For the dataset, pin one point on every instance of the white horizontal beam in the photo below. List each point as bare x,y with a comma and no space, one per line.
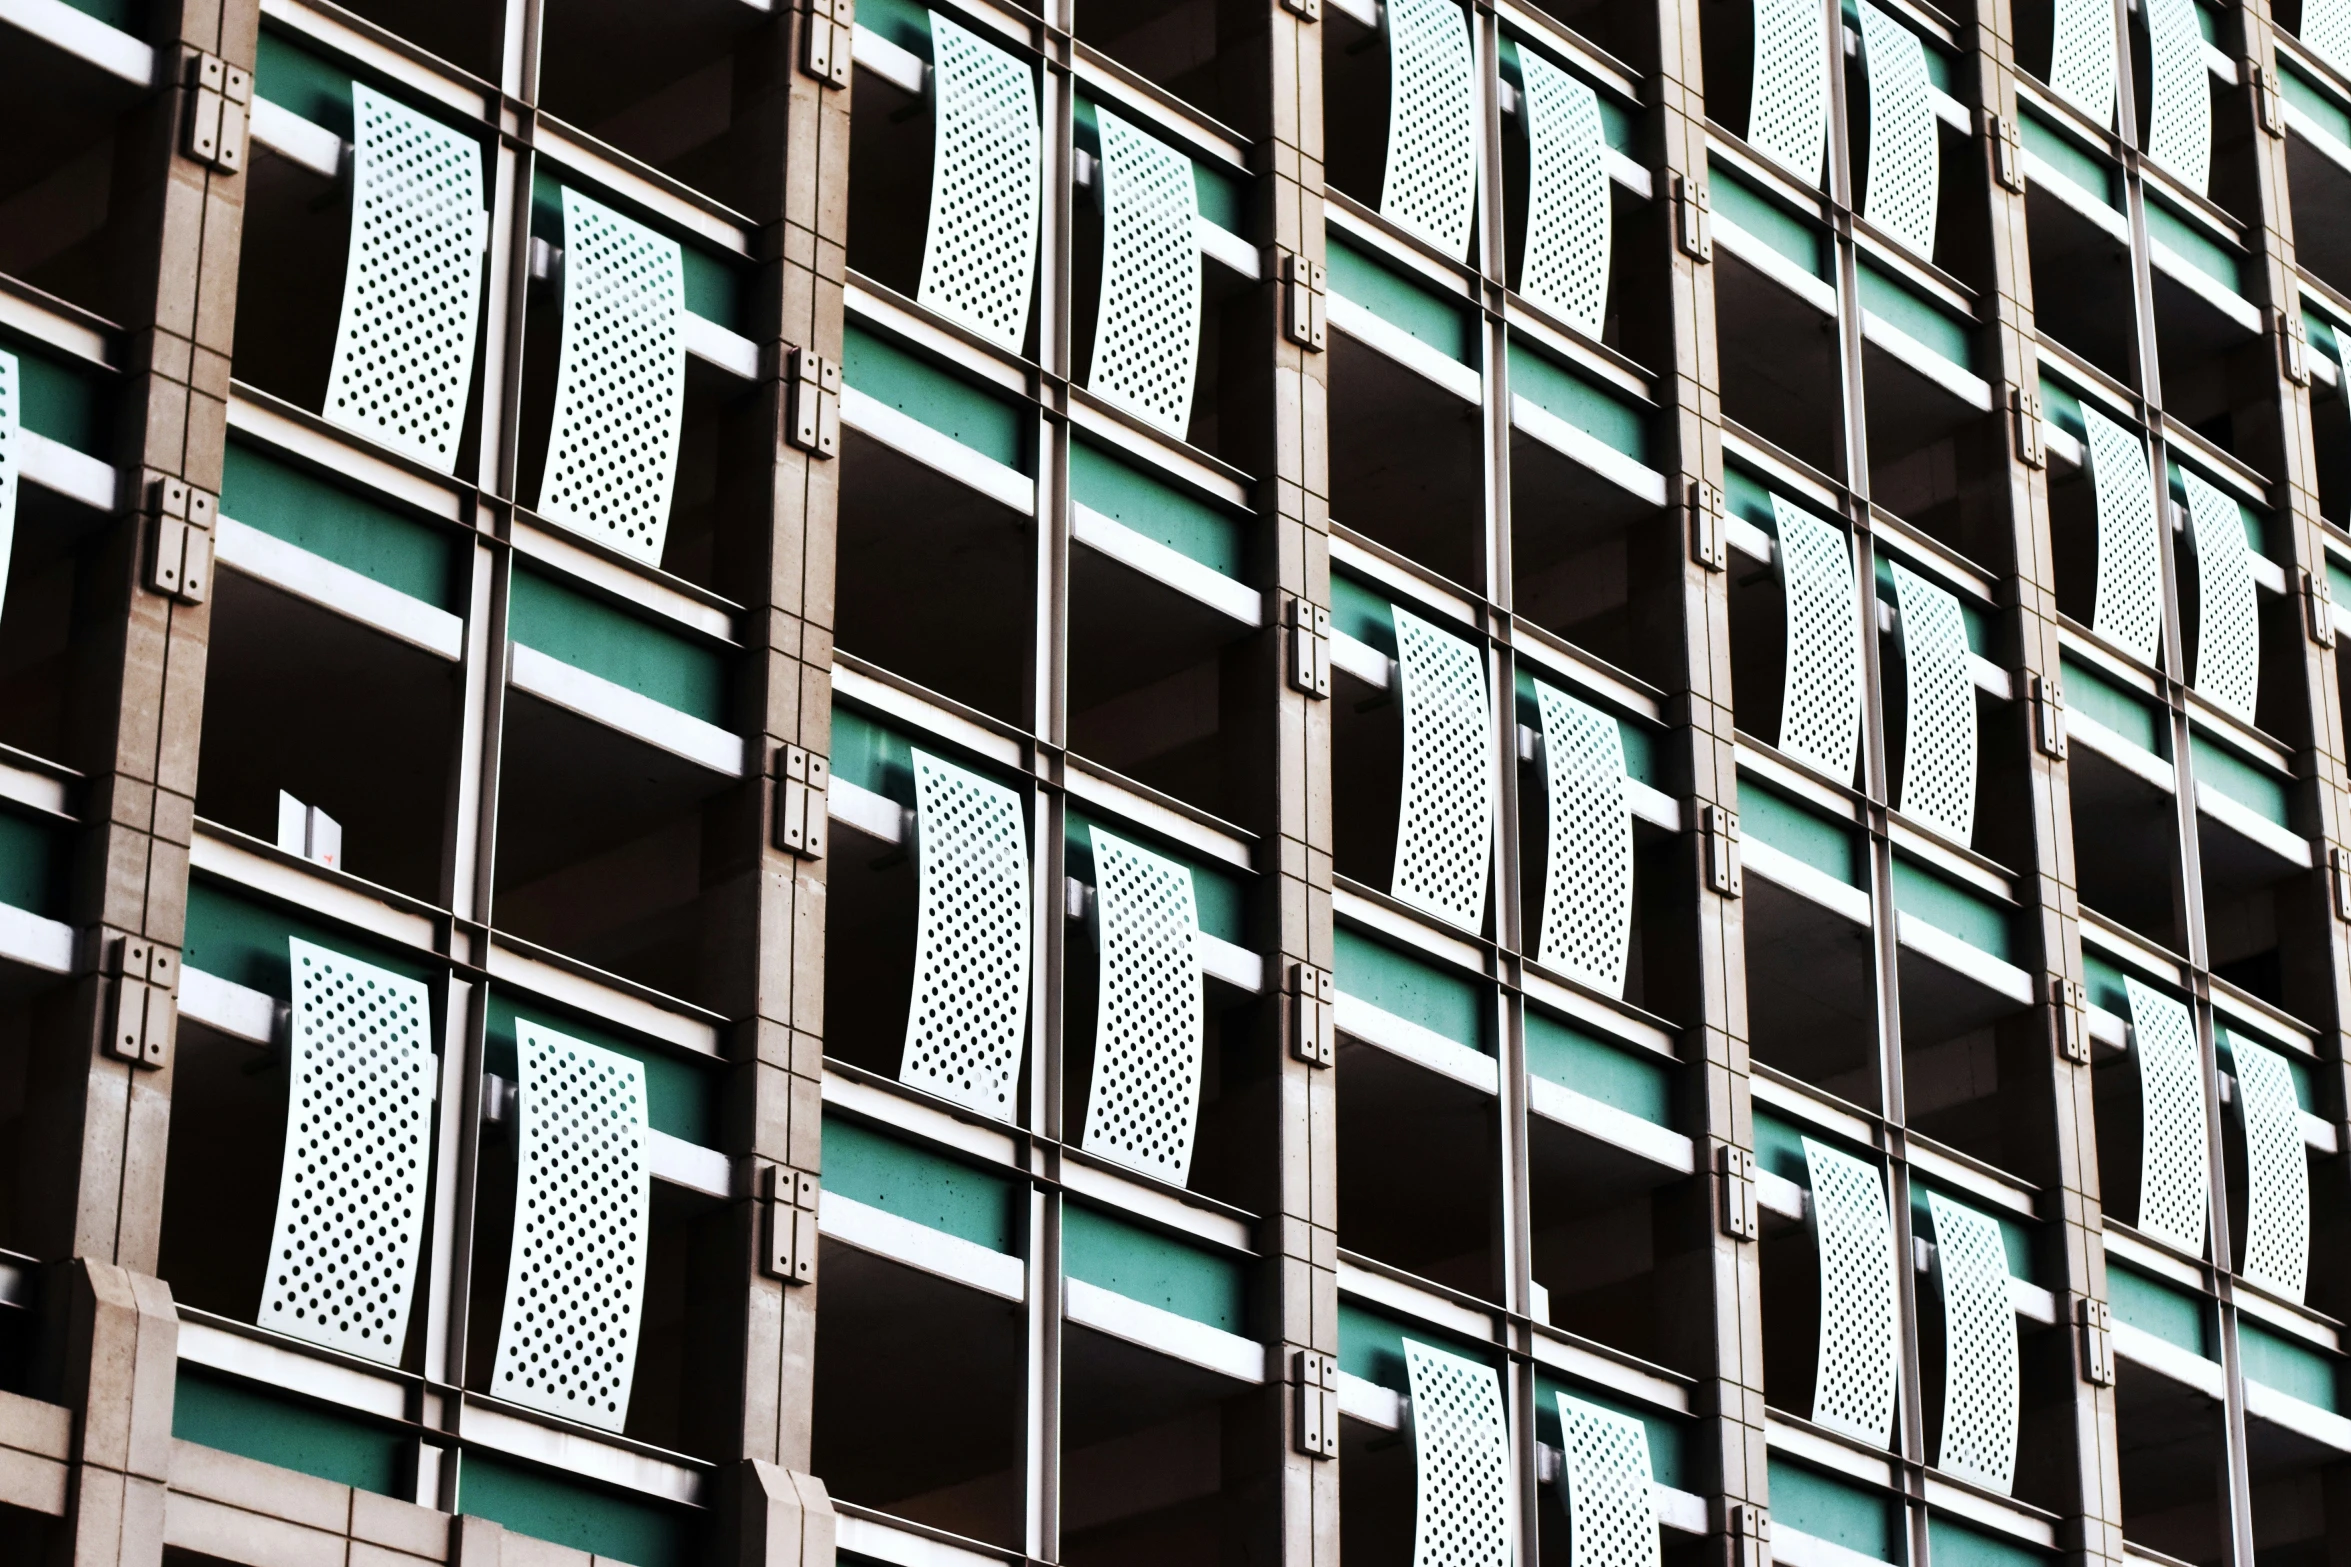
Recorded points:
83,36
630,712
918,1246
77,476
1421,1045
317,580
233,1009
1162,1331
904,433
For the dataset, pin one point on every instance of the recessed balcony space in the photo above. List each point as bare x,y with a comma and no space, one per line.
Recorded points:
1812,983
2254,867
2170,1410
696,90
1971,1024
470,37
1830,1345
2126,840
1776,309
1177,46
2211,337
2080,240
2318,172
2297,1441
1938,447
2330,414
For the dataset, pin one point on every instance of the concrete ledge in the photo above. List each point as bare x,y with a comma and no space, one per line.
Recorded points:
34,1440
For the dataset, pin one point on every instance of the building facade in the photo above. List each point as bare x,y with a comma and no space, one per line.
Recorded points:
1185,782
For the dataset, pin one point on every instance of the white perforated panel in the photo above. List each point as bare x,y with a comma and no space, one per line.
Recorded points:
1939,738
351,1182
1820,703
2129,609
1147,333
1445,827
1146,1096
2174,1160
2326,31
979,254
1566,265
2179,88
1979,1347
2081,56
1788,115
971,940
2276,1248
1431,183
1859,1365
1461,1451
2228,617
1904,142
1588,872
412,285
620,381
1605,1479
575,1280
11,462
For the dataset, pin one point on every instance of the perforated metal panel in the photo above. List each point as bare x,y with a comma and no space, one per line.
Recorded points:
1904,143
1820,704
1859,1361
1788,116
1147,337
352,1178
1445,830
979,253
2179,88
1565,269
2326,31
1588,872
1605,1480
412,284
2081,56
11,461
1461,1452
2129,609
1145,1102
620,381
2228,617
2276,1248
575,1280
1979,1347
2174,1160
1939,735
1431,183
971,940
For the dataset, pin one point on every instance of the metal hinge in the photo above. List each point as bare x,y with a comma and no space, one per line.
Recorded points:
1721,828
1314,1409
1735,1168
2318,602
2007,152
2339,869
1747,1528
142,1010
217,94
2048,699
2294,347
2268,101
1313,1014
788,1244
2096,1345
2031,449
179,539
2065,1019
801,777
828,41
1304,10
1310,648
812,402
1692,225
1305,302
1706,541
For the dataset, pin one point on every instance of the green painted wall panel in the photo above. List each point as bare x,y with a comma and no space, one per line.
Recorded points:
1368,618
341,525
988,424
1154,508
2196,247
2118,708
30,860
1775,819
70,404
1747,208
1423,993
2256,788
2069,157
245,941
1156,1269
1950,908
1637,1084
636,1530
2289,1365
1558,390
1838,1511
1429,316
2173,1315
930,1189
293,78
238,1417
1956,1545
1912,314
2316,102
681,1097
589,634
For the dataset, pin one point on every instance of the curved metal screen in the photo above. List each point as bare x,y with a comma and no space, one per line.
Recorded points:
1565,269
1788,113
1905,142
1980,1371
1859,1364
1588,871
1461,1453
1606,1483
2129,608
2081,56
2276,1249
1445,825
1820,700
969,1013
1147,329
2179,90
979,251
1430,187
1939,739
2174,1158
2228,612
1145,1102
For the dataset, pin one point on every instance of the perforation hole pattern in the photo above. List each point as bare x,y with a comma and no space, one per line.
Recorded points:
575,1281
2129,608
620,381
1611,1511
1461,1452
1588,870
1939,742
1145,1102
11,459
1568,236
1788,119
1820,703
979,255
2174,1160
351,1184
1853,1391
2179,91
2081,57
412,288
1979,1347
2276,1247
2326,31
1445,830
1905,143
1431,183
1147,342
971,940
2228,616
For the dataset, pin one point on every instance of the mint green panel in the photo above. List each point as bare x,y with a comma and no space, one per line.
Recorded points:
1558,390
2338,581
1668,1464
2289,1365
1371,1345
1956,1545
1437,321
1779,1148
1635,1083
590,634
29,860
340,525
236,939
127,16
1219,195
1154,508
292,78
871,756
1774,819
902,22
2315,102
923,1187
1368,618
70,404
2118,708
1838,1511
1909,313
1950,908
2256,788
2068,157
2172,1315
1155,1269
1745,207
1216,894
2104,984
681,1098
237,1417
2062,408
641,1532
954,407
2197,248
1411,989
1748,497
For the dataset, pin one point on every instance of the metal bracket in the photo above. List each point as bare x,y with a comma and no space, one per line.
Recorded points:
2031,449
2339,869
1721,829
2007,152
2294,347
2269,105
788,1244
179,538
1707,546
1747,1527
1314,1409
2065,1019
1313,1014
801,776
1305,290
214,133
2318,600
812,402
2096,1345
828,49
2048,699
1693,228
1735,1168
1310,649
142,1013
1304,10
